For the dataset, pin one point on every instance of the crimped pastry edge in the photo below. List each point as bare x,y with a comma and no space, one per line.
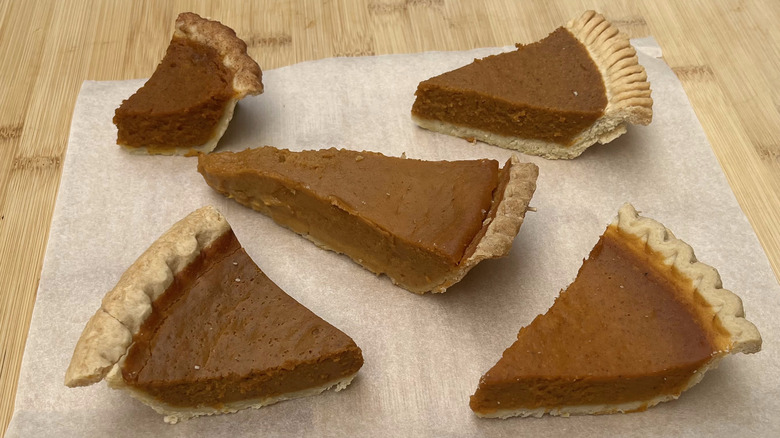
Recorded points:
625,81
628,92
108,334
745,337
174,414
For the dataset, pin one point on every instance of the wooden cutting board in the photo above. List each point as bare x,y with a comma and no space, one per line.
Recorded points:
726,53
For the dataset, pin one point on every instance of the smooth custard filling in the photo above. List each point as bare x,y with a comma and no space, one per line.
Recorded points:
223,332
181,104
550,90
412,220
622,332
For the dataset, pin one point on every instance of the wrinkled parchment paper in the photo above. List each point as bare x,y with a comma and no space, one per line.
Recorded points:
423,354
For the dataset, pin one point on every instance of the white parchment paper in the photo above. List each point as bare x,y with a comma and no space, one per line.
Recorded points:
423,354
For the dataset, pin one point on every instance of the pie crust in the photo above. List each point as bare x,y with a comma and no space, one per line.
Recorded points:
105,342
247,76
734,334
625,80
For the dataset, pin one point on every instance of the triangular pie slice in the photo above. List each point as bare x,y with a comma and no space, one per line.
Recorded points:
642,322
188,102
424,224
194,328
554,98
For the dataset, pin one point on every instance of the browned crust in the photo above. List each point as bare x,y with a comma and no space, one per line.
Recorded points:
628,92
109,332
247,77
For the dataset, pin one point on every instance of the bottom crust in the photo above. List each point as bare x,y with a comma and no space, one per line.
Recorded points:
565,411
173,414
205,148
603,131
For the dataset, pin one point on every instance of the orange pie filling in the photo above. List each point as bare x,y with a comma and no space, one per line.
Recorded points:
181,104
550,90
412,220
622,333
187,353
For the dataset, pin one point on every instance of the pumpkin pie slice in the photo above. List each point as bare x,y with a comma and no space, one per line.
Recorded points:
424,224
188,102
642,322
554,98
194,328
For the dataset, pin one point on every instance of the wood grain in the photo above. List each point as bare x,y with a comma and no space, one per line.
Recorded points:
726,53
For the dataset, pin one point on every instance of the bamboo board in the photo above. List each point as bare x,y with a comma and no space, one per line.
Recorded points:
726,53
